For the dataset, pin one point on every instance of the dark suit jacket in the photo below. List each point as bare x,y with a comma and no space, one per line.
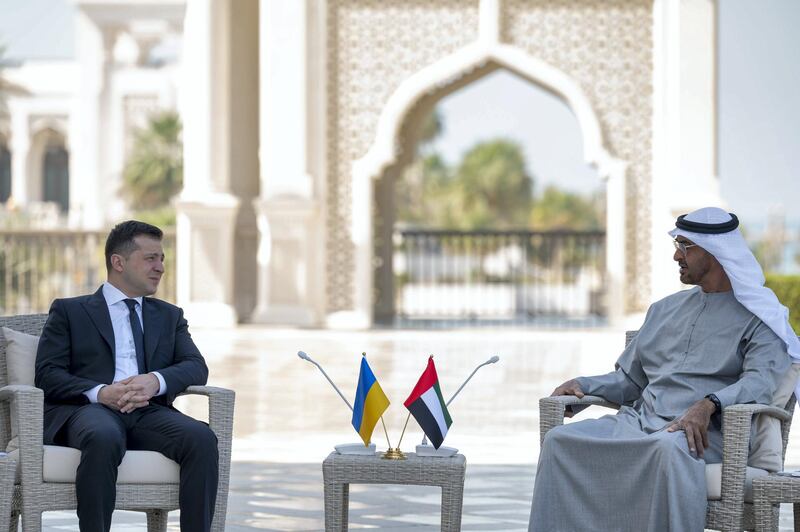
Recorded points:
77,352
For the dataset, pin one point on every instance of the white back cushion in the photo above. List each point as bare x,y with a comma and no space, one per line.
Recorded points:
21,361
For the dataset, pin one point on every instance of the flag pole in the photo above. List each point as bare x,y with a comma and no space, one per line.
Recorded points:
404,429
387,434
391,454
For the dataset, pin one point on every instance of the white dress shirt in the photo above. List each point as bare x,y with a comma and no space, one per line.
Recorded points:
125,364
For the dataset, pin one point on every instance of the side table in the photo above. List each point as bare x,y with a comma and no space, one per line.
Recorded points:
339,471
8,472
768,492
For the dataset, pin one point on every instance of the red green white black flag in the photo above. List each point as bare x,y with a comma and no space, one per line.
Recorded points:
428,407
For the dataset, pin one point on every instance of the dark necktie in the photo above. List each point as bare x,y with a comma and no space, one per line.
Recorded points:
138,334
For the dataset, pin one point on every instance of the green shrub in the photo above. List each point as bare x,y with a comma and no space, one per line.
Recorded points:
160,216
153,174
787,288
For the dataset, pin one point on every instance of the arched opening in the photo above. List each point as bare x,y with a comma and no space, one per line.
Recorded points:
5,170
56,176
491,214
49,169
390,152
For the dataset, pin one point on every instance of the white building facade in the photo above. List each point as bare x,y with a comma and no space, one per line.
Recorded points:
293,110
70,123
339,83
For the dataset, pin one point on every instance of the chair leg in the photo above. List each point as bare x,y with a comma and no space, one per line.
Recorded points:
218,523
31,520
13,523
796,507
220,509
157,521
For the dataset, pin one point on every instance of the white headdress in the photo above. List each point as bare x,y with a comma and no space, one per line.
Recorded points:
717,232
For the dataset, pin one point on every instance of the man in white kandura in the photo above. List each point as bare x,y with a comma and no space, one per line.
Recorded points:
726,341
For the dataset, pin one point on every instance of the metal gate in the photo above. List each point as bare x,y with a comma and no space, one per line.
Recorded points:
549,278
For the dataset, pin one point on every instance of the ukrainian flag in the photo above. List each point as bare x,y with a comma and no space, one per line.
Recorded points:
370,402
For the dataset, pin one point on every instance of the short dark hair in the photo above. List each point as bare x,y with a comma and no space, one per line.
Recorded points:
120,239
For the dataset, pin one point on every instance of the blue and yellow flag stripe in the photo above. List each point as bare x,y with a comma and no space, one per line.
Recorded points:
370,402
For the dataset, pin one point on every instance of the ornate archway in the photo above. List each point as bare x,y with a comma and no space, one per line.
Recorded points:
382,58
438,79
332,105
48,163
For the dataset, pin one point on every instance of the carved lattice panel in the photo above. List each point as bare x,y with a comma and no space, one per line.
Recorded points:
606,46
373,45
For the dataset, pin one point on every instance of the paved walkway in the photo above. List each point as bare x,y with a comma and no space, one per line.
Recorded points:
288,419
289,497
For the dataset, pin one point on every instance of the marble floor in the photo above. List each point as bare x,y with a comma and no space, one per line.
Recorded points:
288,419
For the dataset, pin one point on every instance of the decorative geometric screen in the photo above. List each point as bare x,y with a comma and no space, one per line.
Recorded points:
605,46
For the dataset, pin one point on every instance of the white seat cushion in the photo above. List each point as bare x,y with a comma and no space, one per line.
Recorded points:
714,481
137,467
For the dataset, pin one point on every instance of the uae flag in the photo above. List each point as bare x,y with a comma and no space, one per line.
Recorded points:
427,406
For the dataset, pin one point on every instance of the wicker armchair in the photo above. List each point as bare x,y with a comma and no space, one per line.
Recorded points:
731,511
33,495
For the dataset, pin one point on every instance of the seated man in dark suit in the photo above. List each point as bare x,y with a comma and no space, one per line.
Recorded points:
110,365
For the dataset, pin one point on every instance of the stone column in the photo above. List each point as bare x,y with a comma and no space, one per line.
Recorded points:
88,158
684,124
19,145
206,208
292,125
244,135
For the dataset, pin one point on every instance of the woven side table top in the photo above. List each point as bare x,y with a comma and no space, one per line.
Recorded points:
415,470
771,490
339,471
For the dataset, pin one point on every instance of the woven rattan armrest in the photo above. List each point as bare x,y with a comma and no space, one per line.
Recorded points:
20,391
210,391
736,422
220,407
551,409
749,409
28,403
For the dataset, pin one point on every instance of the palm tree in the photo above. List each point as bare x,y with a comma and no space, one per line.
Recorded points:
154,171
3,104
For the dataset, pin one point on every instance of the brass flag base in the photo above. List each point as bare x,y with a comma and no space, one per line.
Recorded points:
394,454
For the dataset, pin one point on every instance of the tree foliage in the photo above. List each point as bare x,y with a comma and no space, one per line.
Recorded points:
420,193
769,251
154,171
561,209
432,127
787,288
493,188
3,87
489,188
